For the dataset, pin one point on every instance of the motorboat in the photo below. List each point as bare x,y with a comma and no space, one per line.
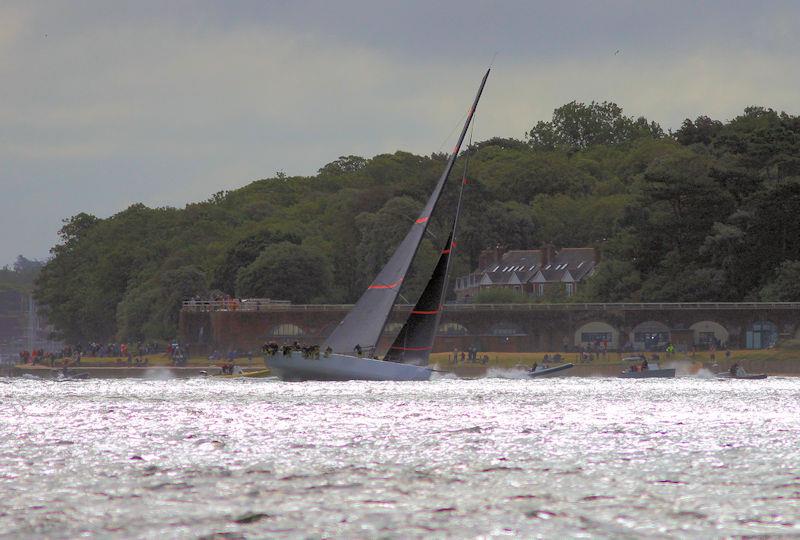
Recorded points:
548,371
738,372
646,369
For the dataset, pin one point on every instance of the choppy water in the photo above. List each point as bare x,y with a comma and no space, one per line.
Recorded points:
449,458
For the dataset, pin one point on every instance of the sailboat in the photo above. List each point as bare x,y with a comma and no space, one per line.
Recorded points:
349,351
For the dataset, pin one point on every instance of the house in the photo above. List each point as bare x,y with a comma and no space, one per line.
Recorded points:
532,272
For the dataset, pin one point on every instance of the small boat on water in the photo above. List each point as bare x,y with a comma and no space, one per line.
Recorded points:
641,368
736,371
543,371
741,374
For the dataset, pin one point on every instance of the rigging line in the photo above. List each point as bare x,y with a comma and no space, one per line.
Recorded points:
455,126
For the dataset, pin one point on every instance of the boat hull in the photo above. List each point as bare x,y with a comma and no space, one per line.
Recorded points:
649,374
746,377
549,372
340,367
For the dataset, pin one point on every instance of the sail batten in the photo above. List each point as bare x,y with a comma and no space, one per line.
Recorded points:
364,323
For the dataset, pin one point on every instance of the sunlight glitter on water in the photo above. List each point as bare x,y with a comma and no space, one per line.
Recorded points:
491,457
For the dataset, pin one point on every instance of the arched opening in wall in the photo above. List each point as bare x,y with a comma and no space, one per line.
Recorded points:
708,333
761,335
287,330
597,334
650,336
392,329
505,329
452,329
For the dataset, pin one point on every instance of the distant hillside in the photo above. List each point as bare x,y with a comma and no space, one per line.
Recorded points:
706,213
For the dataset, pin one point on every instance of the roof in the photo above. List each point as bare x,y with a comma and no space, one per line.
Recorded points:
523,265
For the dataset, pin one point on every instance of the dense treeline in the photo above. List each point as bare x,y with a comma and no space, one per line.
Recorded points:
709,212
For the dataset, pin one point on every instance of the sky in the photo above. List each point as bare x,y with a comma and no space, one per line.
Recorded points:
104,104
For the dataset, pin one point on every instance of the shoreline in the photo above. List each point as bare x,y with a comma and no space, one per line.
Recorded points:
686,368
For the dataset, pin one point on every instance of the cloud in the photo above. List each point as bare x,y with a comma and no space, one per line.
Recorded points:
169,103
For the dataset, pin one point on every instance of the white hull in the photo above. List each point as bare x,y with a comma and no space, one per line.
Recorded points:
549,372
340,367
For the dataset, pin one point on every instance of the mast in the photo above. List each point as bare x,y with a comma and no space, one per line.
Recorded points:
363,325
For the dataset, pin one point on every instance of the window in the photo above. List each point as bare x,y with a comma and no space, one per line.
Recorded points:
570,289
706,338
540,289
653,338
594,337
452,329
287,330
506,329
761,335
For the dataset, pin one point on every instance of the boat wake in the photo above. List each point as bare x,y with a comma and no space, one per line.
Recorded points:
686,368
444,376
506,373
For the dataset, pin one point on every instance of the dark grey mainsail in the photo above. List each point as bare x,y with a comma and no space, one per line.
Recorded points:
414,342
362,327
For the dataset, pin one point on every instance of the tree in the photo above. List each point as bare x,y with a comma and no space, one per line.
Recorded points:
613,281
785,286
285,271
702,131
577,126
243,253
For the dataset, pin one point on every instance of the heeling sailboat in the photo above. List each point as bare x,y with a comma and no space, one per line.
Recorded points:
360,330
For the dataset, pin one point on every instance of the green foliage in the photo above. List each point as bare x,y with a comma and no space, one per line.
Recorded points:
21,276
577,126
707,213
243,253
285,271
613,281
785,286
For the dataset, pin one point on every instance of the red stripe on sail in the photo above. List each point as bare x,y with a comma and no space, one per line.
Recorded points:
422,219
434,312
445,251
387,286
410,348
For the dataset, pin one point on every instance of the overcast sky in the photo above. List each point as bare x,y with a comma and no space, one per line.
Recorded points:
104,104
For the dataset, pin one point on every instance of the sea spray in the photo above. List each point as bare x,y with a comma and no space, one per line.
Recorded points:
507,373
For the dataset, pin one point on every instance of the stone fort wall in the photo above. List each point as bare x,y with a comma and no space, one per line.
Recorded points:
508,327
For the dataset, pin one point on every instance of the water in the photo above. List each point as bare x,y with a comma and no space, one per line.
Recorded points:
569,457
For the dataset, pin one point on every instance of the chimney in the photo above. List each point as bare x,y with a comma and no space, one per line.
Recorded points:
490,257
548,254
